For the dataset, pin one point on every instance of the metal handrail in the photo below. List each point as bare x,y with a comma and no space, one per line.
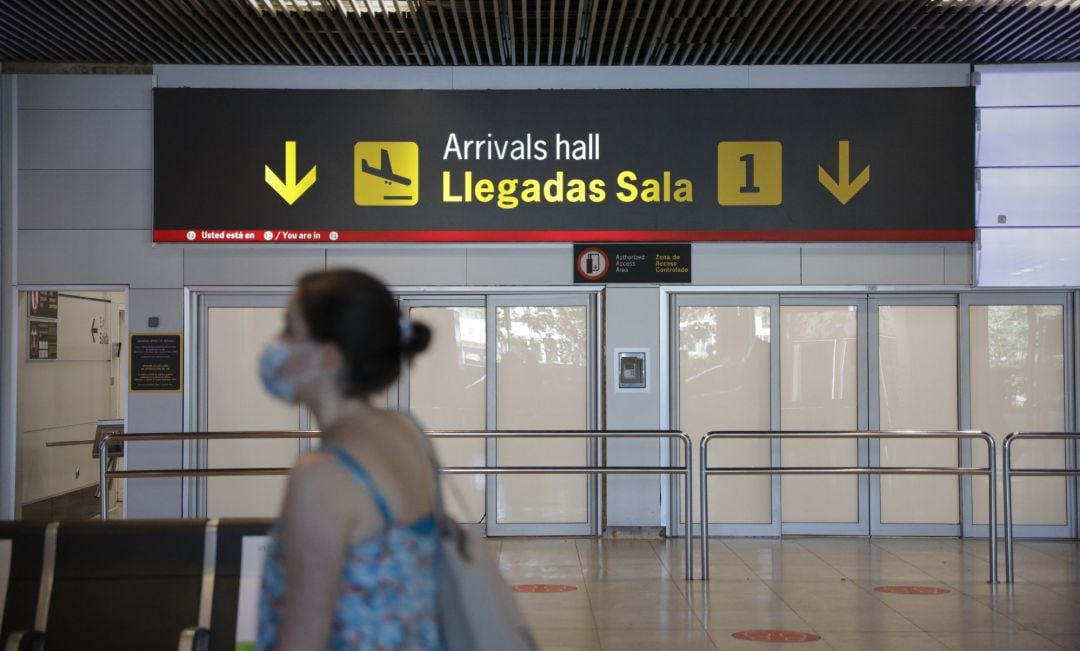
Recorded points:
705,471
686,469
1009,472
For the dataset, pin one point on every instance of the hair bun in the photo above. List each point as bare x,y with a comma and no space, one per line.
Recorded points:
415,337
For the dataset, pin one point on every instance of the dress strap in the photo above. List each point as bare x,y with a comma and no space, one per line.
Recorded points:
362,476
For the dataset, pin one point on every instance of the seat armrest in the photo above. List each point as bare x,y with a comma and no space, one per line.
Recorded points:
194,638
28,640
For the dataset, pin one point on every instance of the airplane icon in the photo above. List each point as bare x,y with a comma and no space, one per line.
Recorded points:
379,184
385,171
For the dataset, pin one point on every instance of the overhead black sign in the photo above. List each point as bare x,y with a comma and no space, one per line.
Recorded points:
281,166
632,263
157,362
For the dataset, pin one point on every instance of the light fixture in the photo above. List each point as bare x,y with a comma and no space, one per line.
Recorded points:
1028,4
344,6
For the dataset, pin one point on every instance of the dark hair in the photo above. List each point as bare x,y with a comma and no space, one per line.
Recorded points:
358,313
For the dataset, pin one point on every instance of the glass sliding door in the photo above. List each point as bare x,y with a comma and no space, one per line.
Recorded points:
446,389
1018,377
726,354
823,369
542,375
232,332
914,385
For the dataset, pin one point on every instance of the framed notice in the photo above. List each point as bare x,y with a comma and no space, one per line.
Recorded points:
44,305
156,362
661,263
42,340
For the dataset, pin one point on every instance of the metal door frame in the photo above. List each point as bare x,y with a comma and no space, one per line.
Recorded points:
1028,297
196,453
671,495
876,301
860,301
593,380
399,392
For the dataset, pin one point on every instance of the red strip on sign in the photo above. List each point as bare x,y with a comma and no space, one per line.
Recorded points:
220,236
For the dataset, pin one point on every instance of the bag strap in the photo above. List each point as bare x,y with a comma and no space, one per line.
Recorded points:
437,506
364,478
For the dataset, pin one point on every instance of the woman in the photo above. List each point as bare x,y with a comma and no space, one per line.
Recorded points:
351,563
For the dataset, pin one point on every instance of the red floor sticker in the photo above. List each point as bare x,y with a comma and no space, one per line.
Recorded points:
542,588
775,636
910,589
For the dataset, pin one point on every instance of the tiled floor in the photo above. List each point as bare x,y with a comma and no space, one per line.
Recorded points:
630,595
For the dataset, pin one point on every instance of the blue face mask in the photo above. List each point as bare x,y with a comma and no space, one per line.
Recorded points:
270,362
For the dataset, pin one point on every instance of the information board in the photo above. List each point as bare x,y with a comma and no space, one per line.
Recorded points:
156,362
44,304
330,166
42,340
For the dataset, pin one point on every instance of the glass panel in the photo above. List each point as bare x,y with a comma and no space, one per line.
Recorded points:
1018,383
542,384
724,362
1028,257
236,401
448,391
917,390
819,391
1029,137
1045,85
1028,196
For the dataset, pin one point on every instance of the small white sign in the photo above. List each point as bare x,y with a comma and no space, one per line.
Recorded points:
252,560
5,573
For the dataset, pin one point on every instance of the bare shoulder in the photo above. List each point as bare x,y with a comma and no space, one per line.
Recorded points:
315,473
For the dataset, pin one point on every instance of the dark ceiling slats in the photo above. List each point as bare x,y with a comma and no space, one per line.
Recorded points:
1036,25
67,31
880,30
708,38
539,32
1063,40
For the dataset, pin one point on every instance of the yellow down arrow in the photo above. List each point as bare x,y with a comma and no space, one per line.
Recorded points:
289,189
843,188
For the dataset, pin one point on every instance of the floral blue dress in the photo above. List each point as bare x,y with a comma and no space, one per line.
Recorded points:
388,591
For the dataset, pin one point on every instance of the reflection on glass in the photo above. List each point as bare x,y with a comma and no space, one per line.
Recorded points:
917,391
542,384
819,391
724,359
237,401
448,391
1018,383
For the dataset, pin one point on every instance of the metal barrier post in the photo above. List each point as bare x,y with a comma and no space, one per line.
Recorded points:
688,507
103,483
992,453
990,471
1010,473
703,501
686,470
1006,459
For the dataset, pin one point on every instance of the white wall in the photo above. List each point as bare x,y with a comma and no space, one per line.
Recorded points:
61,400
82,213
1029,169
